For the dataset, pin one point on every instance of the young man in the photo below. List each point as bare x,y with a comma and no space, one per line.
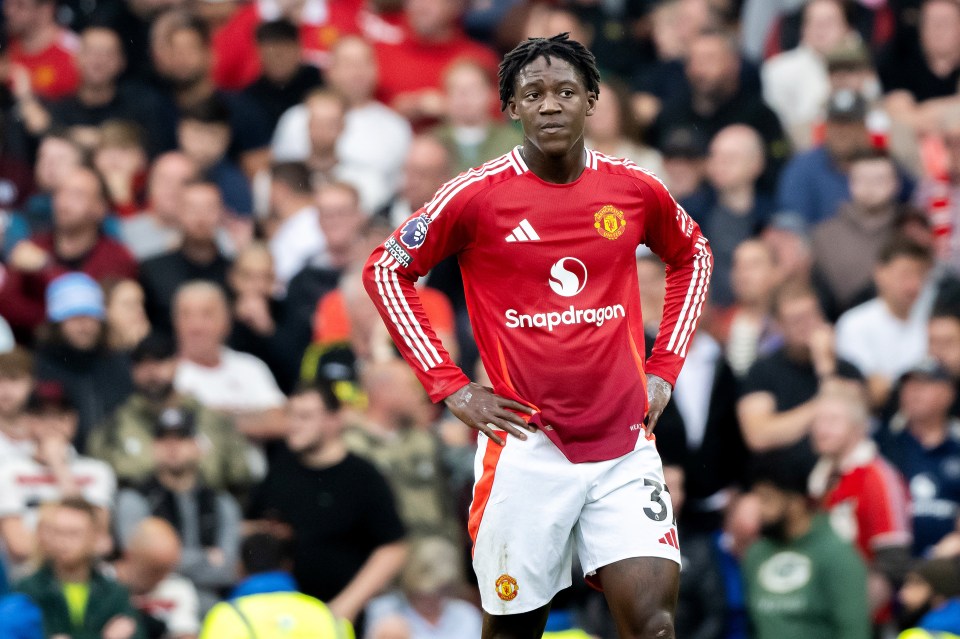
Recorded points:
546,237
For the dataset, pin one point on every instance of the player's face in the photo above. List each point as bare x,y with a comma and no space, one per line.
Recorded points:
552,103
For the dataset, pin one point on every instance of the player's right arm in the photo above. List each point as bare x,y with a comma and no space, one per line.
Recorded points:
444,226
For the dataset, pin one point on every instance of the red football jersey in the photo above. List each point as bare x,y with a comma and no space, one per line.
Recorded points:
869,503
53,71
551,286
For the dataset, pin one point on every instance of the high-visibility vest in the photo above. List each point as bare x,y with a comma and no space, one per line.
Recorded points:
274,615
568,634
918,633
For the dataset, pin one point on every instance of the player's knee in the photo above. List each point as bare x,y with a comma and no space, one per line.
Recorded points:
659,626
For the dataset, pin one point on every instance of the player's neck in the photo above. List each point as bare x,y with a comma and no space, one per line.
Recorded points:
556,170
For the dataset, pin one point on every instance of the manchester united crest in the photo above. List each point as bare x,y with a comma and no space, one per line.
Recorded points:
609,222
506,587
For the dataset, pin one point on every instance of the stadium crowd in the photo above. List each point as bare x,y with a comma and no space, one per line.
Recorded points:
205,430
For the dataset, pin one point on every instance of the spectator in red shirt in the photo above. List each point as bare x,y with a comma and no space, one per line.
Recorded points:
321,24
41,47
76,243
864,494
411,72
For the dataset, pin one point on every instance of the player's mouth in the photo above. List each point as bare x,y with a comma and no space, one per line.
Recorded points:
551,127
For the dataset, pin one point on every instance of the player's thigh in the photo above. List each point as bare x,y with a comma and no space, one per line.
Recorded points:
628,513
526,503
526,625
642,595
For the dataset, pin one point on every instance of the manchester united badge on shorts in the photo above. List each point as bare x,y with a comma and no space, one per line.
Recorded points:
609,222
506,587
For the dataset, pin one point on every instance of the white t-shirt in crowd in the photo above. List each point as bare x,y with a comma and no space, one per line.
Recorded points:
374,136
15,448
458,619
296,241
25,485
876,342
240,383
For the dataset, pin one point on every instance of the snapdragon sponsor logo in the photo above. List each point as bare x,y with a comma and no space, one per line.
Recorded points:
570,317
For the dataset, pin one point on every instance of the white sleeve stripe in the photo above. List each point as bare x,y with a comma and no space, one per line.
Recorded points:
686,301
698,308
468,175
438,206
378,272
395,293
415,323
689,320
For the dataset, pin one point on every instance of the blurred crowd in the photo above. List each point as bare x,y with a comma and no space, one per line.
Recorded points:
205,430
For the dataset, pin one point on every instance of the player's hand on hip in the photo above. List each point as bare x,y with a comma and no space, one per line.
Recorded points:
480,408
659,391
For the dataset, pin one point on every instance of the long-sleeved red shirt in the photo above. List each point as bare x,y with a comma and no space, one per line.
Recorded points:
551,286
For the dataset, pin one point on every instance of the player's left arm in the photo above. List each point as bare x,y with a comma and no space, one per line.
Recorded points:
673,235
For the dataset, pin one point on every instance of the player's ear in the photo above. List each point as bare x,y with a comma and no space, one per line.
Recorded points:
591,102
512,110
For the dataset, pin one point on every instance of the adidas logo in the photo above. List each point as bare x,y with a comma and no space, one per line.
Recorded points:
523,233
670,539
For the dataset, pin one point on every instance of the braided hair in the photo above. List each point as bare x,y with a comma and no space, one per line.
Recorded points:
559,46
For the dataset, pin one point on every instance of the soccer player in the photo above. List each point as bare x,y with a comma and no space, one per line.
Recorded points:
545,236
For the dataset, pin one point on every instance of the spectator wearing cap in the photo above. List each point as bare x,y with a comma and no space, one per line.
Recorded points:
74,352
863,493
684,167
814,183
167,602
930,599
76,243
887,335
53,472
76,599
207,520
125,440
923,442
920,76
16,384
795,82
426,598
717,98
802,579
267,597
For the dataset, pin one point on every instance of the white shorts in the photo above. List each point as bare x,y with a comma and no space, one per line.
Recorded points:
531,504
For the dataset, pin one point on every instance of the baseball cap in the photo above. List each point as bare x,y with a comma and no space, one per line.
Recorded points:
155,347
929,370
74,295
684,142
175,422
846,106
49,396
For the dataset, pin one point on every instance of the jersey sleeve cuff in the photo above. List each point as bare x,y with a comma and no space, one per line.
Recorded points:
444,389
663,370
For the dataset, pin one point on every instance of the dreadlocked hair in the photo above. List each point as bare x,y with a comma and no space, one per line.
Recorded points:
559,46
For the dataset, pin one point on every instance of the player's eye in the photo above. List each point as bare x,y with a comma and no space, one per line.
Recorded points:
532,95
567,93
